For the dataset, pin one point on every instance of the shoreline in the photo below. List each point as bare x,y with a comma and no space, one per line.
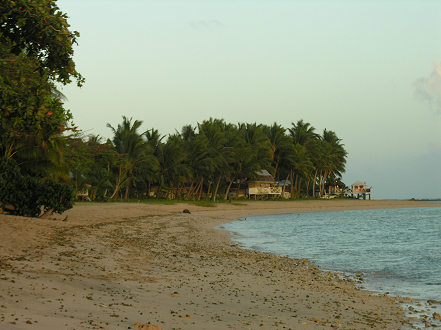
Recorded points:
115,265
419,310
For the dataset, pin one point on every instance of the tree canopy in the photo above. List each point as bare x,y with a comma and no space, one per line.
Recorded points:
38,31
36,50
206,161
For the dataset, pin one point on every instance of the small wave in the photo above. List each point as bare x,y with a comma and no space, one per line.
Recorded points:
433,283
237,234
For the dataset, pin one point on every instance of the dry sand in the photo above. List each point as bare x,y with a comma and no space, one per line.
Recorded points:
114,265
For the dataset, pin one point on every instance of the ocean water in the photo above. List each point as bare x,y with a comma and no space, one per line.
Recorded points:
398,251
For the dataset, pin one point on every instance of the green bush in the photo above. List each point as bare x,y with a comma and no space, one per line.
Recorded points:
9,175
27,195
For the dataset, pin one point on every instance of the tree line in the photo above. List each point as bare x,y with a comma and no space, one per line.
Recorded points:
203,161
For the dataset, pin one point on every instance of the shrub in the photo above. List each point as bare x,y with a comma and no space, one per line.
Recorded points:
27,196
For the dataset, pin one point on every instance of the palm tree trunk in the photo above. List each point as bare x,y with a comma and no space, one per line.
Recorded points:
275,172
191,189
209,188
127,192
159,189
237,191
178,190
195,189
325,177
313,183
213,198
117,185
115,192
292,184
228,189
322,175
201,188
320,183
284,186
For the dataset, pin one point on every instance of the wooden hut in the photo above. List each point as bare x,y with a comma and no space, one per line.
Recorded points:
264,185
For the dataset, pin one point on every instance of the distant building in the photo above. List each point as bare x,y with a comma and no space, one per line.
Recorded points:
264,185
334,191
359,188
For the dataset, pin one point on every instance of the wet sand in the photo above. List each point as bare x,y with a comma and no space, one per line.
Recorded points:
115,265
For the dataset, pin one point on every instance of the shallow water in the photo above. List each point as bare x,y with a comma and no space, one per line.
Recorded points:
397,250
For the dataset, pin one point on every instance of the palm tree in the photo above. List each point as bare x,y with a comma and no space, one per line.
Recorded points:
172,169
305,141
334,158
99,181
187,132
281,146
153,137
41,157
80,180
303,168
258,142
135,155
218,134
197,159
94,139
303,133
245,165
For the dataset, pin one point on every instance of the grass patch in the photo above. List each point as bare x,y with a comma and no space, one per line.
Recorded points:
154,201
202,203
238,202
131,201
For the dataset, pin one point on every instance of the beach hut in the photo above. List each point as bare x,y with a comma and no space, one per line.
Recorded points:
84,194
359,188
265,185
336,190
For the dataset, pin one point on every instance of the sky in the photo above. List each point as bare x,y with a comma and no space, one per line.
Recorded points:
368,70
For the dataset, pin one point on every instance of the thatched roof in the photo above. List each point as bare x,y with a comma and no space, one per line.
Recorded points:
264,175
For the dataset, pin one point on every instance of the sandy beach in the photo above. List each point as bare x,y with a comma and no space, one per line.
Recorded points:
151,266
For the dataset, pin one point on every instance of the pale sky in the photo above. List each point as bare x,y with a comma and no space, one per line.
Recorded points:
368,70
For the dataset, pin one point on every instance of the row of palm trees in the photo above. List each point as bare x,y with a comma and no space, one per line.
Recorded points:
205,161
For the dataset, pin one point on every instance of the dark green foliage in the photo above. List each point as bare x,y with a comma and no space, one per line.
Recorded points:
203,162
9,175
36,57
27,194
38,30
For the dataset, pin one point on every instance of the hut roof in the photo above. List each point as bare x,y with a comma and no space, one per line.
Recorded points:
264,175
285,182
358,183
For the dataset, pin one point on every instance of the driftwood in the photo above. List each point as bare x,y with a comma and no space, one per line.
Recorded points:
46,214
7,208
